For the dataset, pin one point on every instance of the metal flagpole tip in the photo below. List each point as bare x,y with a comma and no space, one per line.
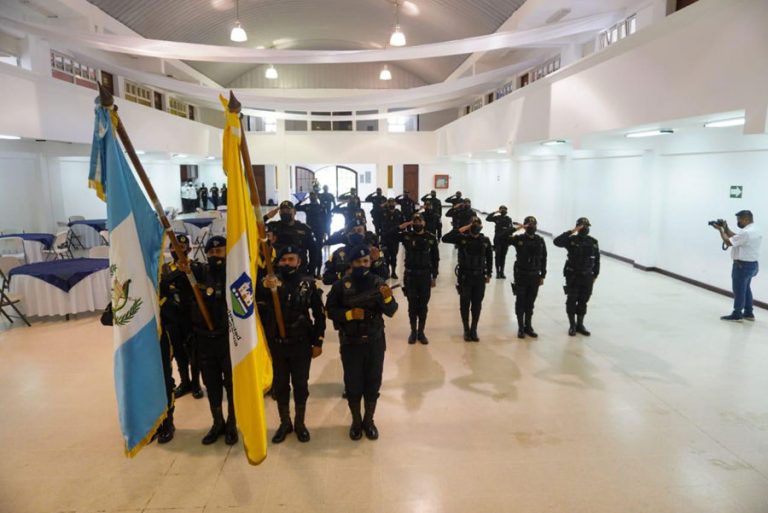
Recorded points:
105,97
234,104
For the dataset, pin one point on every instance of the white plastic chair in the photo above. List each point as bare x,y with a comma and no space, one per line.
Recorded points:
99,252
6,264
13,247
60,249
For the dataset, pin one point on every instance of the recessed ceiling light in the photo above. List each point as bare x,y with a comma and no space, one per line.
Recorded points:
723,123
555,142
650,133
10,137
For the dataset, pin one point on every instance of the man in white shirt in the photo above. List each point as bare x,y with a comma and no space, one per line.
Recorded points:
745,252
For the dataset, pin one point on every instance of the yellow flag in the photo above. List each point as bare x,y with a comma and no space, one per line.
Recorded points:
251,363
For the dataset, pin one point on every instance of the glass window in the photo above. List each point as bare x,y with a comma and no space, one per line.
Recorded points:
342,125
321,125
367,125
631,24
407,123
296,125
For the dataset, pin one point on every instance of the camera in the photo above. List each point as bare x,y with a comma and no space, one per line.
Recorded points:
719,223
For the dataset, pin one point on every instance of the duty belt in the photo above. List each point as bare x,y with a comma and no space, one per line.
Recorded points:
417,272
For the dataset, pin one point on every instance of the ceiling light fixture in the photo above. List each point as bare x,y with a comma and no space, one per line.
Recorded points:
397,38
650,133
140,152
270,73
385,74
555,142
10,137
238,34
724,123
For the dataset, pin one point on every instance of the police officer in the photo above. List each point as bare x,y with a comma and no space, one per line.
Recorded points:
437,210
407,205
455,199
202,193
377,201
461,214
328,202
224,194
292,355
422,259
502,224
214,196
290,232
473,272
529,272
357,304
431,219
390,234
213,345
338,264
581,270
351,210
315,215
176,298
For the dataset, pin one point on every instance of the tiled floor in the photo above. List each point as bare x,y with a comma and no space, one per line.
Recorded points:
662,410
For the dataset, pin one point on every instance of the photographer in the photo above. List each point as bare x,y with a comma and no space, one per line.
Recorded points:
745,253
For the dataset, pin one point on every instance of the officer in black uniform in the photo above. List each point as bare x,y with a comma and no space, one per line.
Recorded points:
202,193
502,224
315,215
377,201
407,205
213,346
176,300
390,234
292,355
224,194
473,272
328,202
348,195
214,196
422,260
461,214
357,304
529,271
432,221
337,266
351,210
290,232
455,199
581,270
437,210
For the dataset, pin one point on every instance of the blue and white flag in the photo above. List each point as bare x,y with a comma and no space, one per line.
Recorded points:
136,238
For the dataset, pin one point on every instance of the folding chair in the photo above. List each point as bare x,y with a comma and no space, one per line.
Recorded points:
99,252
104,237
198,245
178,226
9,301
73,238
61,247
13,247
6,264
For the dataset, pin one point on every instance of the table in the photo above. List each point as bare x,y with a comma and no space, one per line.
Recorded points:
62,287
34,244
87,231
195,224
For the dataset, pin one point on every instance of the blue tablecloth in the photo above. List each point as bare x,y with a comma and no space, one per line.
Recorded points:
46,239
96,224
63,274
200,222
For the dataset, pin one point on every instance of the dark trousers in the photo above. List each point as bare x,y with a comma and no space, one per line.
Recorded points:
165,354
290,366
500,249
418,290
216,367
471,293
363,365
376,222
391,248
184,352
741,277
215,201
526,290
328,220
578,289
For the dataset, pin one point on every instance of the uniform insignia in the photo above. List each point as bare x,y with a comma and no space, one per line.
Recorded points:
209,291
347,285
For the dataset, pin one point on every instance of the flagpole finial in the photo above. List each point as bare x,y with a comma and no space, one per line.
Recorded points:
234,104
105,97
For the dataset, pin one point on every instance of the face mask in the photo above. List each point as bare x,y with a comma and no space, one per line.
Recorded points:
503,212
286,270
418,227
391,207
530,230
287,218
475,229
740,225
356,238
359,272
585,231
217,263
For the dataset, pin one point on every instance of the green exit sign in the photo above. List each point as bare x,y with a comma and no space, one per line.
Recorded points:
737,191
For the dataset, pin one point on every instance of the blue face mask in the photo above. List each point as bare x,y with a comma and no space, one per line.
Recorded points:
359,272
356,239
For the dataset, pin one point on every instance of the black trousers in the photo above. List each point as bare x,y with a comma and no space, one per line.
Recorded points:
216,367
578,289
184,352
526,290
418,290
500,249
328,220
376,222
290,365
391,248
471,294
165,354
363,365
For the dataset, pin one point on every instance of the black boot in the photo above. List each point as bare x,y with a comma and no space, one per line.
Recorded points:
285,427
528,327
230,430
473,329
185,386
520,326
371,432
467,331
166,429
218,427
302,433
572,322
393,274
197,391
422,321
414,335
356,429
580,326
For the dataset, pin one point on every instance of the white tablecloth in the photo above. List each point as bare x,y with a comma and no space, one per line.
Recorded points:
90,294
87,235
34,251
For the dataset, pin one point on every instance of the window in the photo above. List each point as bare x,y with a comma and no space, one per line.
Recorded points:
141,95
178,108
321,125
339,126
296,125
9,59
67,69
367,125
404,123
262,123
624,28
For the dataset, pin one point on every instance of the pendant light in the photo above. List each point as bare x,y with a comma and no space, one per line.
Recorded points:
397,38
385,74
270,73
238,34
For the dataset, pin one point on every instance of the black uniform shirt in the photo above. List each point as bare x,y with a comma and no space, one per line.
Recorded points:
583,253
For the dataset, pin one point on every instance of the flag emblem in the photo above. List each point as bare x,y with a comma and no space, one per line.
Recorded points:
242,296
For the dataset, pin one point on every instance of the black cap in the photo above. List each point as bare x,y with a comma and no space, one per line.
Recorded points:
417,216
583,221
286,204
217,241
288,250
182,238
744,213
503,207
530,219
357,221
359,251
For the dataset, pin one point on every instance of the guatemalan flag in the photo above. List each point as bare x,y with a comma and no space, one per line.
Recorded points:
136,238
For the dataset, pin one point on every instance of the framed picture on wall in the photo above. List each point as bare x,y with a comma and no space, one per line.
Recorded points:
441,181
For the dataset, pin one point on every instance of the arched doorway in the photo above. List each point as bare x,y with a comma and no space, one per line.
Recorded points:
339,179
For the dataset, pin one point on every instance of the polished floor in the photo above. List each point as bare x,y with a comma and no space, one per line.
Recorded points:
662,410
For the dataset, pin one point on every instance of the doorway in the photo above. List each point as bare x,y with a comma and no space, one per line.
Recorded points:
411,180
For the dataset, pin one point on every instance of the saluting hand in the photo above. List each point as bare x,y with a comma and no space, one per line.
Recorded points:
316,351
465,228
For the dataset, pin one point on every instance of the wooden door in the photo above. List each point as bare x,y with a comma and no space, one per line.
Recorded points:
259,174
411,180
